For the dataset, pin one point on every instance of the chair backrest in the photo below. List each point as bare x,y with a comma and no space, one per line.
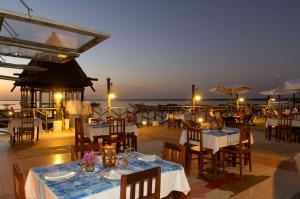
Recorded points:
174,153
19,183
131,140
27,120
245,135
80,149
194,135
79,135
116,126
285,121
131,118
149,176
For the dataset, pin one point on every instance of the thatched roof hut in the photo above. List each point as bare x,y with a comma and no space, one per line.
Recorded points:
67,77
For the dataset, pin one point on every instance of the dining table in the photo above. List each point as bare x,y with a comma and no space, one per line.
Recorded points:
96,130
15,123
275,121
92,185
215,140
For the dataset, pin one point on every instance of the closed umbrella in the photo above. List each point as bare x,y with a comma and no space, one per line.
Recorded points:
230,90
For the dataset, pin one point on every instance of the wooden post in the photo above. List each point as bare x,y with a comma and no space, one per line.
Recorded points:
108,97
193,98
31,98
82,94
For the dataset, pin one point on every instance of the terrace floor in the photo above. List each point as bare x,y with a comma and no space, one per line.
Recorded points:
274,172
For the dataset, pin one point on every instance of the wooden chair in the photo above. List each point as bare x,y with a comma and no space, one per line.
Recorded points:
27,125
131,141
140,178
173,122
80,149
116,133
131,118
19,182
174,153
195,146
79,134
284,127
242,151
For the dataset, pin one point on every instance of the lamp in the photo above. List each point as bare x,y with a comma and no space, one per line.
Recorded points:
58,96
109,155
239,100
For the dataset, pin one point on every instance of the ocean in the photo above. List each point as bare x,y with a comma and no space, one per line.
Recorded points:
152,102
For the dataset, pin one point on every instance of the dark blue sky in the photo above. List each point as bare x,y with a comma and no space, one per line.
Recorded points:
158,49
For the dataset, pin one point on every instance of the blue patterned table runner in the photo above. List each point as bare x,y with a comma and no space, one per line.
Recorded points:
84,184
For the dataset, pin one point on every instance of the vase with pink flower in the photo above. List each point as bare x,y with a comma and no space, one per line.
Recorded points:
89,161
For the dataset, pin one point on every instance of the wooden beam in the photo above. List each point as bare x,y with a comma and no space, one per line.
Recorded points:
22,67
8,78
37,46
52,24
93,88
13,88
1,23
92,79
90,44
38,58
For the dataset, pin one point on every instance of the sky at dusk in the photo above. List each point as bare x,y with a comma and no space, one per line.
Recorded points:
158,49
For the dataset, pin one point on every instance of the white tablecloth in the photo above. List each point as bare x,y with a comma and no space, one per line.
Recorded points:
274,122
91,130
214,142
175,116
16,123
176,180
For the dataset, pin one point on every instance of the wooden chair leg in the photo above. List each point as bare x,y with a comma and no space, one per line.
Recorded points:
250,161
241,164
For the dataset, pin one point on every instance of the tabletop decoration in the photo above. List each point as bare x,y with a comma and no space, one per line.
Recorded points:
89,160
109,156
212,125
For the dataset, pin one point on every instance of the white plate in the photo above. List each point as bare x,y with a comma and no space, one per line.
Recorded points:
59,175
148,158
115,174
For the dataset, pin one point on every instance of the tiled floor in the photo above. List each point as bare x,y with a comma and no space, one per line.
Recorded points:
274,172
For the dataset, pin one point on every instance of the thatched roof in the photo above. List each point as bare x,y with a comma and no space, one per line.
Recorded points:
65,76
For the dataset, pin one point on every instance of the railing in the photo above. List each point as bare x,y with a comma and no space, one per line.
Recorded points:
102,112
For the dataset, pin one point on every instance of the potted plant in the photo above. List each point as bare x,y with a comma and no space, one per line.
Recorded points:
89,160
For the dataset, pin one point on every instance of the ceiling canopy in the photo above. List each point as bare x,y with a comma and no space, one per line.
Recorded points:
43,39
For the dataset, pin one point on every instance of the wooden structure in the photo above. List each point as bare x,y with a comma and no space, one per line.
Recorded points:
38,87
36,38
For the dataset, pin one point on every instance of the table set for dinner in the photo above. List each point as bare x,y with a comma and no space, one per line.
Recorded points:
216,139
275,121
94,130
70,181
15,123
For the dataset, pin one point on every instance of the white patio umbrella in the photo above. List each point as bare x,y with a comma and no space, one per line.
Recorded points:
278,91
293,84
230,90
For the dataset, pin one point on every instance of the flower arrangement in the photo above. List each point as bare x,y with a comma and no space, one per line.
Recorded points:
89,160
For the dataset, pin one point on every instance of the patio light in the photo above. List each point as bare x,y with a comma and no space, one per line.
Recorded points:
197,97
144,123
200,120
58,96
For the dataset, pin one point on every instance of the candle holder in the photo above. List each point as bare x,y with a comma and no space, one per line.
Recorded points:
109,156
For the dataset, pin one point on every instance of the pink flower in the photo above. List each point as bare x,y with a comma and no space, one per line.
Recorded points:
90,158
